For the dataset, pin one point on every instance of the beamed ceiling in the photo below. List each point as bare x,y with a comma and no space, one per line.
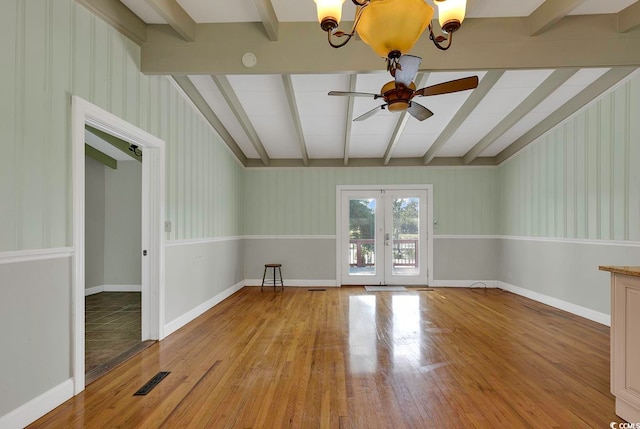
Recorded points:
538,63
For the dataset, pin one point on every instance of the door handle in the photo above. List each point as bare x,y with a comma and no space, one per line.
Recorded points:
386,239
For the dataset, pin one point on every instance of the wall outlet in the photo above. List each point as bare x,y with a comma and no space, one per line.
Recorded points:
167,226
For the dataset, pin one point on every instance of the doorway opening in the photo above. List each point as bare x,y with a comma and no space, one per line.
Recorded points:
150,251
113,252
384,235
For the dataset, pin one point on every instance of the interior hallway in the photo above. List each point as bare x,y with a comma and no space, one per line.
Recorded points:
112,327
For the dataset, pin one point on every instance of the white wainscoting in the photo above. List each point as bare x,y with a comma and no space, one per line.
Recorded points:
587,313
38,406
187,317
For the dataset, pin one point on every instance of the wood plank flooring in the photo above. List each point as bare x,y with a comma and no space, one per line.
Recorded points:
346,358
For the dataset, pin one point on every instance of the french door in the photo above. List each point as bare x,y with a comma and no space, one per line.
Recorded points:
384,236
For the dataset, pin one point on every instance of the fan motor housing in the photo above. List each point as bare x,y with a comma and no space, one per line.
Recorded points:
397,95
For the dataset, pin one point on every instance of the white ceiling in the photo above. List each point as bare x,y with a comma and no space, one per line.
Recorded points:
204,11
266,108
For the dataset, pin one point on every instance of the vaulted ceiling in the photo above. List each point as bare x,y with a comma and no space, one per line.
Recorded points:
538,62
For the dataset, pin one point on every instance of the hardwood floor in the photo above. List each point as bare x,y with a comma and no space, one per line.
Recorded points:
346,358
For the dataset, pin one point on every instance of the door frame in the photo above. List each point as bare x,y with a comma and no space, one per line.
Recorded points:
153,207
340,252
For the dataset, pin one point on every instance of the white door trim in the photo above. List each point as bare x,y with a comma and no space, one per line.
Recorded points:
153,194
339,250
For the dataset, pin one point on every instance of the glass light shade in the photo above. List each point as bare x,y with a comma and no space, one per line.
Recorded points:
329,9
451,11
394,25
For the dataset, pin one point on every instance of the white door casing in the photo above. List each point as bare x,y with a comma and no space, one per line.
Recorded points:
153,194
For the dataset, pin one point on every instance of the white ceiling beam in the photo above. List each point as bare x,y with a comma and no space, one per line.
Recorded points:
176,17
395,137
420,81
548,13
629,18
269,18
349,119
594,90
485,85
550,84
295,116
241,115
192,92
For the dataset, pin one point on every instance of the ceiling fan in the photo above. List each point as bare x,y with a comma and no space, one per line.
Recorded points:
399,93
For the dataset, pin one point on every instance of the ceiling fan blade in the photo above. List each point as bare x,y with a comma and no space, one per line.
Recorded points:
406,73
354,94
370,113
418,111
447,87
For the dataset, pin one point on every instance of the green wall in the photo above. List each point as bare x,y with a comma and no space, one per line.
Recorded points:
53,49
302,201
580,185
582,179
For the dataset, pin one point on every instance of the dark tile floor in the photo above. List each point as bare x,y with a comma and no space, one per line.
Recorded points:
112,326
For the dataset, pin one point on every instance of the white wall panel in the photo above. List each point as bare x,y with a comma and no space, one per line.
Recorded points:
564,270
197,272
122,224
36,356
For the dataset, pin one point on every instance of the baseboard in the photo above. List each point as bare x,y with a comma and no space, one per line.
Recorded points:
578,310
37,407
332,283
122,288
295,283
93,290
179,322
465,283
112,288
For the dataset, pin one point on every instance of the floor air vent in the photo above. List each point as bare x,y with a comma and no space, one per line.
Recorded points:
152,383
317,289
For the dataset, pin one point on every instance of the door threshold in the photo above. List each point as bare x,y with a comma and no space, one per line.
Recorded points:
104,368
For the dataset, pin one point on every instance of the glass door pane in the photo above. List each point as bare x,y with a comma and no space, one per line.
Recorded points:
362,236
405,237
362,259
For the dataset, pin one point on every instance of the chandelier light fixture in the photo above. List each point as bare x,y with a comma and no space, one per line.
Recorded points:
392,27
